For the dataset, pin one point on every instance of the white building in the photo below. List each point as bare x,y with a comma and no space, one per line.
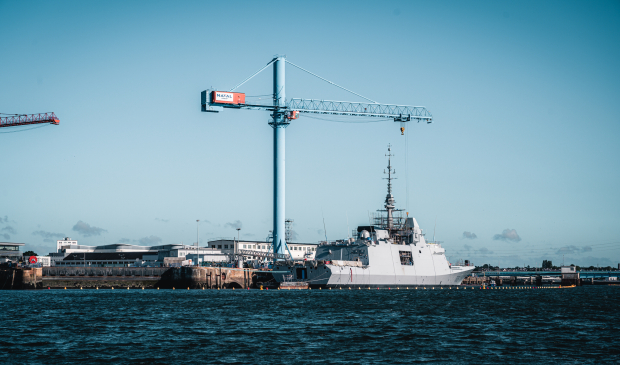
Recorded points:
70,253
43,261
65,242
299,251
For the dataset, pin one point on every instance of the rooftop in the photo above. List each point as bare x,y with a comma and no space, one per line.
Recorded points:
11,244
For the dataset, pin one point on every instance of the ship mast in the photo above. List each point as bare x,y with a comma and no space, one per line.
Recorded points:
389,199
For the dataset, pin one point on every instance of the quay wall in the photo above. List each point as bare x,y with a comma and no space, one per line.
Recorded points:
17,278
127,277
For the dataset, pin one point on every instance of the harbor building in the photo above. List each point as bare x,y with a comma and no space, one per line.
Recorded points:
65,242
9,251
70,253
299,251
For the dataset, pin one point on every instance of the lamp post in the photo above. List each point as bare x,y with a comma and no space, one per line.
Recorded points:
238,229
197,253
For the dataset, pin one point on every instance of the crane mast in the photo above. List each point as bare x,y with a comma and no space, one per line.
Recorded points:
279,124
284,111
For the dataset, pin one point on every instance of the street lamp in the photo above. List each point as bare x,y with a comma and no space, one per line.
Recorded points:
197,253
238,229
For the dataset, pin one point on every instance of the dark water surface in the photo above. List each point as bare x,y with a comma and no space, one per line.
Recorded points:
575,325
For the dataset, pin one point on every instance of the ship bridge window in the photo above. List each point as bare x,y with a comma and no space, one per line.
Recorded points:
405,258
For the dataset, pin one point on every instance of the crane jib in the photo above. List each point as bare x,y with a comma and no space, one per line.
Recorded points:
400,113
26,119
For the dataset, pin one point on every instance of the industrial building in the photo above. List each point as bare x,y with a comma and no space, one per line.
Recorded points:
70,253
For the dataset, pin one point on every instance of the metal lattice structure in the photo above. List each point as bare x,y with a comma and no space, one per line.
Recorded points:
269,255
23,119
315,106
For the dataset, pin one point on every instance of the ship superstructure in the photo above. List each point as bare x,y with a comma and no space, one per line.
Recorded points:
391,252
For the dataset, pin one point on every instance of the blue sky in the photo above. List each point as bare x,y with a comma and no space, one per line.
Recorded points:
523,153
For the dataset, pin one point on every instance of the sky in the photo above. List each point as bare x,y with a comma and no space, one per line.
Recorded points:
521,163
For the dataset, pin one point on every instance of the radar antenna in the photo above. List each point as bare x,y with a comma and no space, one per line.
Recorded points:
389,199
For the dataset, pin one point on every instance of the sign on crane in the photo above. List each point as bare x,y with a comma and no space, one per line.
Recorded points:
283,111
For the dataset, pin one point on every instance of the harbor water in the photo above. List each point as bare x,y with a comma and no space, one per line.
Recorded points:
571,325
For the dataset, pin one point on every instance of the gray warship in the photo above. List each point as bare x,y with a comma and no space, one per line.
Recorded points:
392,252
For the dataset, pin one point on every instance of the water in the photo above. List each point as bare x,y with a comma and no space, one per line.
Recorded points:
576,325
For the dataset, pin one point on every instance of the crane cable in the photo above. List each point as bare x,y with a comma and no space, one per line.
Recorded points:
315,75
374,120
407,169
28,129
255,73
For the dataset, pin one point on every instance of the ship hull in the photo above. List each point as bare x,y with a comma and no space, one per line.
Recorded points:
353,276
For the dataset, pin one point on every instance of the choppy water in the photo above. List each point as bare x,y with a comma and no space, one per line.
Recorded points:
577,325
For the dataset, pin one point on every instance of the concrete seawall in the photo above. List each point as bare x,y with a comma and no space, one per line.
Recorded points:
208,278
18,278
127,277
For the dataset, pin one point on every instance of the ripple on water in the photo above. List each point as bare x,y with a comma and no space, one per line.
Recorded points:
357,326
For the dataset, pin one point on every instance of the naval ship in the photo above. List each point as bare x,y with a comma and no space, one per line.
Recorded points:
391,252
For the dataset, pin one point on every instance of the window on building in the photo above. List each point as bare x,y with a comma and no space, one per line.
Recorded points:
219,246
225,246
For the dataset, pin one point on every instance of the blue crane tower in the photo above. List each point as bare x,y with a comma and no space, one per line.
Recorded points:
283,111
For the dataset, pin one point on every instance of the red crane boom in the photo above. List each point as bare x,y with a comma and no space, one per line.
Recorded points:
24,119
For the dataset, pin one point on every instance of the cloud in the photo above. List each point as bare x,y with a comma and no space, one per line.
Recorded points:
236,224
5,219
9,229
124,240
467,247
294,235
469,235
508,235
48,235
162,220
6,236
485,251
319,231
149,241
569,250
87,230
249,235
594,261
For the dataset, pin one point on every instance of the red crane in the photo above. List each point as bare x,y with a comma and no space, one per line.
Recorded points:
25,119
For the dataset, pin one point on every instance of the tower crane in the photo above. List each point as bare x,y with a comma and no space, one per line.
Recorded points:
283,111
26,119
